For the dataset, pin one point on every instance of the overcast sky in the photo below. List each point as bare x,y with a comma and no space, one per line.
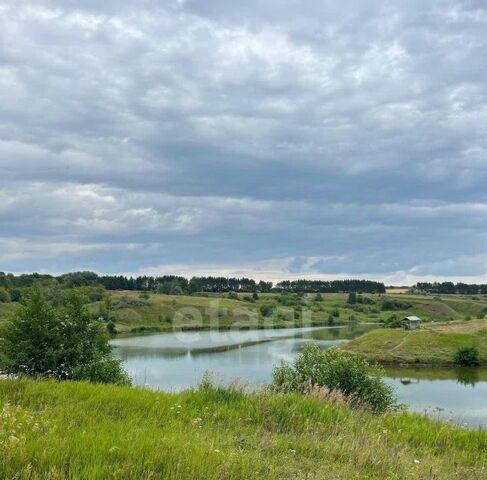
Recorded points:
274,139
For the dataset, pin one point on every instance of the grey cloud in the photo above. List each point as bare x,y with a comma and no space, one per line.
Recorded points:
345,137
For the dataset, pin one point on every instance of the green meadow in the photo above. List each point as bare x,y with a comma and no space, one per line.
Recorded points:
76,430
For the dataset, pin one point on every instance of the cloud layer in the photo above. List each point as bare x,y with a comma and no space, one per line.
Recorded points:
260,137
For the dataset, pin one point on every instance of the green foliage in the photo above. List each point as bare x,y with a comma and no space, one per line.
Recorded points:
392,304
266,310
111,328
129,302
331,320
4,295
233,295
16,295
352,298
394,322
467,357
62,343
334,369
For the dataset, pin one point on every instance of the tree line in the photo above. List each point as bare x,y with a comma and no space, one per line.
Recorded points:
333,286
452,288
178,285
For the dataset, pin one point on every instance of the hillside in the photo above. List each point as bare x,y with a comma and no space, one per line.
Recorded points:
134,312
163,312
80,431
433,344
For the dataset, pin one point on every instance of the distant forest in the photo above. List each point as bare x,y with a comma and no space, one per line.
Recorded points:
177,285
452,288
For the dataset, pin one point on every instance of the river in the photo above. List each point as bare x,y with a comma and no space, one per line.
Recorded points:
178,360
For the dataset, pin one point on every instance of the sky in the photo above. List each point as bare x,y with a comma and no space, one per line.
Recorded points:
271,139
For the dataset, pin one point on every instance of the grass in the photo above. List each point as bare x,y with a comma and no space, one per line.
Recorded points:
434,344
80,431
164,312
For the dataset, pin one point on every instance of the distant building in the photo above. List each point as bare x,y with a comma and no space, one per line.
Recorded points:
412,322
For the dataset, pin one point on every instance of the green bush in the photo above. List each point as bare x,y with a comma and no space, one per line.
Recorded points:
394,322
129,302
391,304
336,370
467,357
266,310
4,295
111,328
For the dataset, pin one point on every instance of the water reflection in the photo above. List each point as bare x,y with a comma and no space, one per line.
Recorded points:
454,394
178,360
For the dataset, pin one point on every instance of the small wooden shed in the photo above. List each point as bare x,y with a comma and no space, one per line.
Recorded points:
412,322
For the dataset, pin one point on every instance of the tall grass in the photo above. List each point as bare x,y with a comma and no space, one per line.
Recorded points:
83,431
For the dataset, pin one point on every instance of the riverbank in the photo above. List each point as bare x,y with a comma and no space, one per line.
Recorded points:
78,430
431,345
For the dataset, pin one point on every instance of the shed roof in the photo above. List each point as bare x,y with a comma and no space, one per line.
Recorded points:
413,318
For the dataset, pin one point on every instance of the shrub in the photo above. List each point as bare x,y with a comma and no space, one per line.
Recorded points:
232,295
394,322
467,357
129,302
16,295
334,369
390,304
266,310
4,295
352,298
111,328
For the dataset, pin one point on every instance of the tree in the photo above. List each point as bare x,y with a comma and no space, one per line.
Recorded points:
63,343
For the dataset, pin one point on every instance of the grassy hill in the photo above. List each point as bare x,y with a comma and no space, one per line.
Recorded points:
433,344
132,313
162,312
80,431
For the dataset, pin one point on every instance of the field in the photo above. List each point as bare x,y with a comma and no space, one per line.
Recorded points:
79,431
433,344
164,312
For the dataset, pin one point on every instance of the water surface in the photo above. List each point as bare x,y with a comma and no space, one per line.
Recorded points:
177,360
